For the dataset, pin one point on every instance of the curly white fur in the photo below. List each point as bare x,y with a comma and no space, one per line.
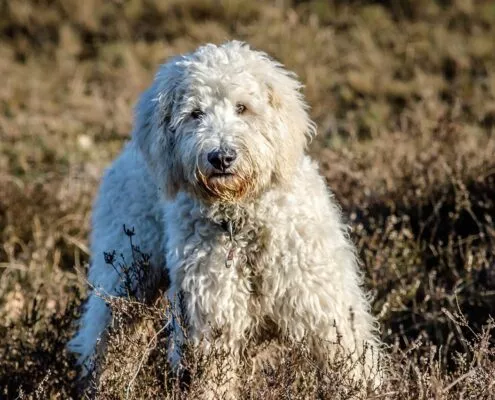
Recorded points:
258,249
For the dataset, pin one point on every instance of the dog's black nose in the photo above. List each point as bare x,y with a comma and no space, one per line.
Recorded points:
222,159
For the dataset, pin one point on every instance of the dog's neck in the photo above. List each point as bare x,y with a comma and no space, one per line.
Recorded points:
230,216
235,225
233,220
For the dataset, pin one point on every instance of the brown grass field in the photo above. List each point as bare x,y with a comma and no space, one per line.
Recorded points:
403,93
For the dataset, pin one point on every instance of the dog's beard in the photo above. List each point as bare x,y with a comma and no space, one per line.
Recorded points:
228,187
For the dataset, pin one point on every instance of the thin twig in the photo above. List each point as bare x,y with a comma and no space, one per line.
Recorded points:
460,379
148,346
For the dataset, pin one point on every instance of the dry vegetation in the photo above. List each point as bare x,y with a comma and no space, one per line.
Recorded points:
404,96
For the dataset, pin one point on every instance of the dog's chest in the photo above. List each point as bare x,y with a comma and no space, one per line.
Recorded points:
227,257
234,251
246,250
225,270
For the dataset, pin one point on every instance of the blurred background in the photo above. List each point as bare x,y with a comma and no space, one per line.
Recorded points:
403,93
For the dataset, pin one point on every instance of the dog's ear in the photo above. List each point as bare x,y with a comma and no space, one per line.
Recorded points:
144,117
153,127
294,123
285,96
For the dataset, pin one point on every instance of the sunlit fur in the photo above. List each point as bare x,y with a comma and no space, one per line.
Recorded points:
294,271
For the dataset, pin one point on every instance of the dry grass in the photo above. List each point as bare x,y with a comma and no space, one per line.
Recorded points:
404,96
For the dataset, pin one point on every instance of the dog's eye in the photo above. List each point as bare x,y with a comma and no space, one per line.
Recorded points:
240,108
197,114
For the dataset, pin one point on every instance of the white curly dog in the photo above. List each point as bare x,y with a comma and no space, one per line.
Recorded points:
219,189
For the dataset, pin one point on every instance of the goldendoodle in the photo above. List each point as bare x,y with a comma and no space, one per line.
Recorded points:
221,193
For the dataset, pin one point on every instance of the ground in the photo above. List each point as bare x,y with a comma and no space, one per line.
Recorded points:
403,93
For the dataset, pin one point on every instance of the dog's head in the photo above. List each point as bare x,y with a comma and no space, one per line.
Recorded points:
222,123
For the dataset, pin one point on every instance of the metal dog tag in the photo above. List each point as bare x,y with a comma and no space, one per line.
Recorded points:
229,261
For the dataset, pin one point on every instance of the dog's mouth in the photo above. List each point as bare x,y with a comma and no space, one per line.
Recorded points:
224,185
219,176
223,180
